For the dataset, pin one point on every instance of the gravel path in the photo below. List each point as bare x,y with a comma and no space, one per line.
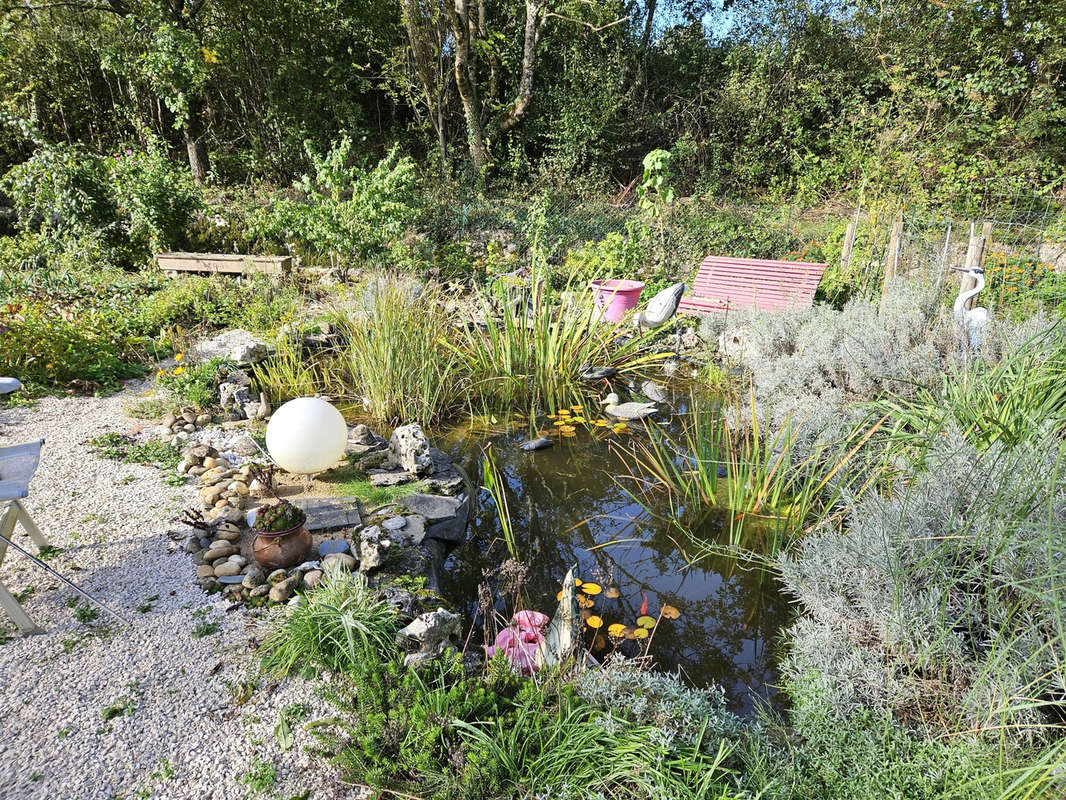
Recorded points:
175,730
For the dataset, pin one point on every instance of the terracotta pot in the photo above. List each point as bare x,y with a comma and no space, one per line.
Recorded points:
281,549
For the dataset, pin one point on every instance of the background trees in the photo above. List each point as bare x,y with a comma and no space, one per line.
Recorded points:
752,95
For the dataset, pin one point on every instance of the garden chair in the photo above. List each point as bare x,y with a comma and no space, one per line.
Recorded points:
726,284
17,465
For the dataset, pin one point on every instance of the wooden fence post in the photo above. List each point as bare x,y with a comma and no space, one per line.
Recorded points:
975,255
895,242
849,244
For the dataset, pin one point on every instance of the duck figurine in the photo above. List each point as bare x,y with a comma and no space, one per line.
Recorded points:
626,411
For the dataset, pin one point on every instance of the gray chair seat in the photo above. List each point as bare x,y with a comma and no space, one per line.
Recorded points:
17,465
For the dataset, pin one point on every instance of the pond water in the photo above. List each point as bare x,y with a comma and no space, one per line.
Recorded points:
568,508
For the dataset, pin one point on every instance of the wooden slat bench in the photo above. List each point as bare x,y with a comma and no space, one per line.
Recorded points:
173,263
724,284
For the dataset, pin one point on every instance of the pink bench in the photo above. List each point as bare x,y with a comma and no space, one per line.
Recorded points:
746,283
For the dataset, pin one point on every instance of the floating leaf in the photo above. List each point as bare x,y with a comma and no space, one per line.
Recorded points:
564,412
639,633
600,423
578,419
598,643
591,588
568,434
669,612
578,581
584,602
567,428
559,596
561,423
617,630
577,408
550,416
612,592
594,621
646,621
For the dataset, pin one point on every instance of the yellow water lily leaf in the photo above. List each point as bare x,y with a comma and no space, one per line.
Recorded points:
669,612
564,412
591,588
594,621
584,602
617,630
577,408
639,633
550,416
569,434
567,428
578,581
559,423
646,621
559,597
600,423
612,592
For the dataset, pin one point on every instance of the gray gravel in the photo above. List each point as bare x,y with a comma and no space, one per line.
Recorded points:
180,734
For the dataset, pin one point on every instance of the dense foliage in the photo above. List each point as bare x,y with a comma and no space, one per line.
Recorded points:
960,98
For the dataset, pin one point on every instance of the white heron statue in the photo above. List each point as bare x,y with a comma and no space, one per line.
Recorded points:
974,320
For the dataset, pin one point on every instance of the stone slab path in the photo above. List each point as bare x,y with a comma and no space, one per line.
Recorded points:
95,711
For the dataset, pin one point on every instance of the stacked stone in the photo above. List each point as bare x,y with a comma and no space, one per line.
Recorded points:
177,427
224,489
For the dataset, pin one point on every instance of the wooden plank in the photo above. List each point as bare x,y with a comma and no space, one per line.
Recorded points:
230,263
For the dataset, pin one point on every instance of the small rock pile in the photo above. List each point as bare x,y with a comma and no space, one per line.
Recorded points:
179,427
224,488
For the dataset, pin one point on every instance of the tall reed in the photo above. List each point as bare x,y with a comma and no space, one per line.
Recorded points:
396,365
740,467
534,358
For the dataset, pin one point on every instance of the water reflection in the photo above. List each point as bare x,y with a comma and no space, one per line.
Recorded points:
567,509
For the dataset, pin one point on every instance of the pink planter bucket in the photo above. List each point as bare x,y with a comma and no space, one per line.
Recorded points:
615,297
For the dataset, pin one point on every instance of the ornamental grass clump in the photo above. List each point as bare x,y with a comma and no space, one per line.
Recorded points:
338,625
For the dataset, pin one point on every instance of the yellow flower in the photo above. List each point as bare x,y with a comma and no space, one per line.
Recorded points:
179,356
210,56
161,373
178,370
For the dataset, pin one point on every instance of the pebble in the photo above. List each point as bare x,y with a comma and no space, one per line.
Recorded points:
313,578
222,550
393,523
338,560
227,569
277,576
253,578
280,592
260,591
228,532
205,571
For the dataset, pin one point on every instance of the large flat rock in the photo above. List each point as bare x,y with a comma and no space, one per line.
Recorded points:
329,513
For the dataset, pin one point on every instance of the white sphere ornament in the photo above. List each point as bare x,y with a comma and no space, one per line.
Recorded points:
306,435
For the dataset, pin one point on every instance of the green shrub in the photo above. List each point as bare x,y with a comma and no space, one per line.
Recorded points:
867,754
194,384
346,211
45,351
155,198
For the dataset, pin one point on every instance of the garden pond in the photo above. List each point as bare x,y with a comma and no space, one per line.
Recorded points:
568,506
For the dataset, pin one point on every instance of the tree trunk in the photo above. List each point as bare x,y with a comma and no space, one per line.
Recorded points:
529,60
466,82
199,163
648,26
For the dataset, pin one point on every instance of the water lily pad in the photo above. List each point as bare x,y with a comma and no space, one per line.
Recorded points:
669,612
646,622
639,633
612,592
584,602
591,588
577,408
594,621
617,630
